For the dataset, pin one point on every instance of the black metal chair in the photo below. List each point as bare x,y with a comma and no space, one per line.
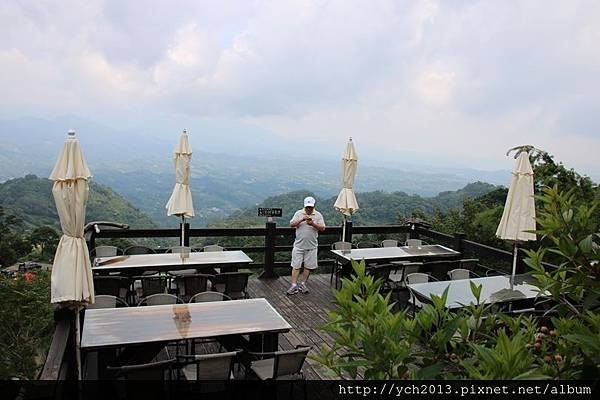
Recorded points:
138,249
209,296
367,245
117,286
189,285
106,301
281,365
417,277
213,247
205,297
233,284
160,299
439,269
128,379
461,273
105,251
381,272
153,285
337,265
203,367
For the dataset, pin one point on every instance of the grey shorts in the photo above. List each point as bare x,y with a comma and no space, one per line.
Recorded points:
309,257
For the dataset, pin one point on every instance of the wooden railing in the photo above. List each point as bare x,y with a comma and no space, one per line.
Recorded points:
60,362
279,240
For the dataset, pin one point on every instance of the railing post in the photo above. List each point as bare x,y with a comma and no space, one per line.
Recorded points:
186,238
458,241
269,267
348,234
520,261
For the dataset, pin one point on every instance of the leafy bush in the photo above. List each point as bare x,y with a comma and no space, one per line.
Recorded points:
373,341
27,324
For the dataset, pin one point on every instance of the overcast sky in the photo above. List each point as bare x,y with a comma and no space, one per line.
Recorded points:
458,82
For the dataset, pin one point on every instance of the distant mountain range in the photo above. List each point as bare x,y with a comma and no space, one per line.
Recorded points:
139,167
30,198
376,208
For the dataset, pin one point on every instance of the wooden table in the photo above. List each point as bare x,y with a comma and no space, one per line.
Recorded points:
495,289
154,326
136,264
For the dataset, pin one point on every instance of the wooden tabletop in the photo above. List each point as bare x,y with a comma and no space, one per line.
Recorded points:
495,289
396,253
110,327
170,261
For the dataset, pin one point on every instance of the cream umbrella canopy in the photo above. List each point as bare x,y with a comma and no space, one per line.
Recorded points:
71,282
180,203
346,201
71,272
519,210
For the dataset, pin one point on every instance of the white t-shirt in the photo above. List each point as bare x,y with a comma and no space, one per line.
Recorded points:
306,235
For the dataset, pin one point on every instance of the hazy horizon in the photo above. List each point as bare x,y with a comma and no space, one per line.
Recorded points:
415,83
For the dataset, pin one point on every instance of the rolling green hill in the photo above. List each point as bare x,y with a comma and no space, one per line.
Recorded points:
30,198
376,208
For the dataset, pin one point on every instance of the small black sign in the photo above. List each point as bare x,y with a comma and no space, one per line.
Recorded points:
270,212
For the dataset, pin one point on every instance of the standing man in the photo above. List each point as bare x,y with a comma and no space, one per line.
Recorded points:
308,223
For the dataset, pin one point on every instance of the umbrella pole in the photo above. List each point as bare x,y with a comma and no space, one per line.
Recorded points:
344,229
182,230
514,266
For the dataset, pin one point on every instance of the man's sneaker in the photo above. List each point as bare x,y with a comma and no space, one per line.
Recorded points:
302,287
292,290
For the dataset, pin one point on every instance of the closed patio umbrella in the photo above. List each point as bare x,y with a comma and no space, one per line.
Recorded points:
346,201
71,282
180,203
519,210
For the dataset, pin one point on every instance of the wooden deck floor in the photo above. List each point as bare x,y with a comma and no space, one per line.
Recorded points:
306,313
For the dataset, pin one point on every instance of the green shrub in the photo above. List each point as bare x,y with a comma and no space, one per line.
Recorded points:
27,324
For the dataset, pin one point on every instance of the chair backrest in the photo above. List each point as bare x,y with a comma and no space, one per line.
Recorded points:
414,242
137,249
178,249
106,301
233,284
109,285
214,367
389,243
418,277
381,271
367,245
209,296
459,273
341,246
289,362
411,268
213,247
159,299
439,269
150,371
194,284
153,285
105,251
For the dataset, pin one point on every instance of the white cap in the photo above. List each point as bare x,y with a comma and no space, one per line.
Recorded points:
309,202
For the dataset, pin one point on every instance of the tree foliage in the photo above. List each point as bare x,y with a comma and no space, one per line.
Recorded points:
27,324
12,244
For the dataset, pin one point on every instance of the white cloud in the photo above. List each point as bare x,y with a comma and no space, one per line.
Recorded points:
444,80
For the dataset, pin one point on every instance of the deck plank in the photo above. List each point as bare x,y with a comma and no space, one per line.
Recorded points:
306,313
